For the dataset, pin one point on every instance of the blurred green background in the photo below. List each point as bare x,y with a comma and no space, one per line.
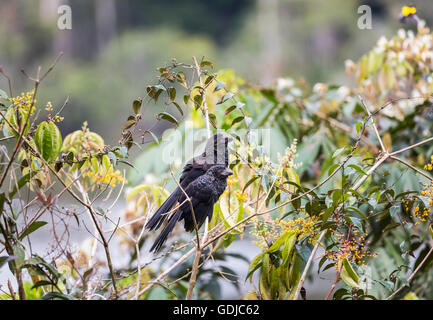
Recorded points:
114,47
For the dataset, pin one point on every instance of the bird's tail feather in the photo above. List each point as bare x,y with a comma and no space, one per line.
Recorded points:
166,231
160,215
201,212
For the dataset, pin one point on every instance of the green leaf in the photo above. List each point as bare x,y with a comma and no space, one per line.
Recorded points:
266,267
332,168
229,109
3,94
338,152
206,64
219,85
181,78
198,100
357,168
171,93
5,259
278,243
169,76
154,91
309,149
274,280
32,228
19,254
213,120
227,96
430,228
238,119
168,117
349,275
48,140
25,179
159,87
16,118
249,182
288,246
358,126
136,105
112,157
106,164
254,264
209,80
186,99
153,135
263,288
128,124
270,95
57,295
87,274
95,164
294,275
42,283
411,296
178,107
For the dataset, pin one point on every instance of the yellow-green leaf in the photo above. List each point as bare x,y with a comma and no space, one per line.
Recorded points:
106,164
349,275
95,165
48,140
411,296
16,118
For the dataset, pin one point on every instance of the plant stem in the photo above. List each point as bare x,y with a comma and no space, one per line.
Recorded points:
203,96
194,271
307,266
412,275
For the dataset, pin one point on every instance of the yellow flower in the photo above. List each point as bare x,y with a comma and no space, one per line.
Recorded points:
110,178
429,166
351,248
406,10
241,196
24,101
302,226
232,180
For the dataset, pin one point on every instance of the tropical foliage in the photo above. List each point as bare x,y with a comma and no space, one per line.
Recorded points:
326,177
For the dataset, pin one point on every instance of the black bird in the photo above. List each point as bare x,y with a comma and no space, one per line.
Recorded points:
216,153
203,193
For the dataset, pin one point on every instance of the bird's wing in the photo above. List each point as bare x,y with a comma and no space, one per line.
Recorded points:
191,171
200,193
202,210
166,231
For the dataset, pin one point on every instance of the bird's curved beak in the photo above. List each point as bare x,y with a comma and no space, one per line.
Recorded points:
227,172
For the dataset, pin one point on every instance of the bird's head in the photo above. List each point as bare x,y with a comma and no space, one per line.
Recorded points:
219,171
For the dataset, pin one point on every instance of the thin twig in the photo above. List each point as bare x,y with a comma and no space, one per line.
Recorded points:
411,146
8,79
166,272
376,131
203,96
412,167
413,274
307,266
